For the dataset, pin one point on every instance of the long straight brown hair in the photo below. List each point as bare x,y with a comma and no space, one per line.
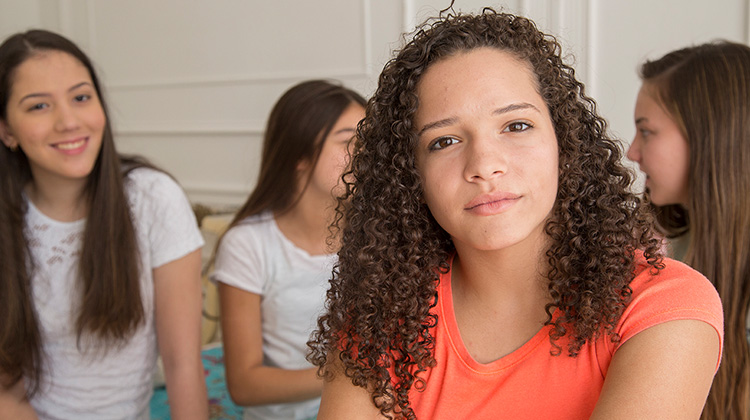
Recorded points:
110,302
706,91
297,127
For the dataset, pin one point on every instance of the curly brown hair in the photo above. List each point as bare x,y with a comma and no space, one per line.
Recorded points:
393,251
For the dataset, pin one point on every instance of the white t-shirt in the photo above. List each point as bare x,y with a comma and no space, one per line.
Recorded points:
91,383
256,257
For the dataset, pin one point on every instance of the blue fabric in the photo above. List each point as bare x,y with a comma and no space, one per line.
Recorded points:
220,405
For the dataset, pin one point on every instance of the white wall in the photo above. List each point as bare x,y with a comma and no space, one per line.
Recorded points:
191,82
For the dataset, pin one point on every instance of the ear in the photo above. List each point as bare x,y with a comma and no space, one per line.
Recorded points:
6,136
303,165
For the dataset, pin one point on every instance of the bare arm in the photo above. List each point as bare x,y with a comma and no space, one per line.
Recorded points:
177,288
663,372
343,400
248,381
13,402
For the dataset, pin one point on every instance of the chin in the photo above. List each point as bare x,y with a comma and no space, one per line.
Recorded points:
662,203
654,199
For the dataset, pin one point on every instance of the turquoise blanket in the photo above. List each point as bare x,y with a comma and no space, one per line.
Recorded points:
220,405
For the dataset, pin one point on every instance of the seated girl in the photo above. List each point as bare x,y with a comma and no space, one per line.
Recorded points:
692,141
273,264
494,263
99,254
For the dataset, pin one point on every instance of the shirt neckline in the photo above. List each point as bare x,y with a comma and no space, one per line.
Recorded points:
40,215
448,318
292,245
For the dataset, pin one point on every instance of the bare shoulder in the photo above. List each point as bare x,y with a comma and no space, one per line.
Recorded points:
664,372
343,400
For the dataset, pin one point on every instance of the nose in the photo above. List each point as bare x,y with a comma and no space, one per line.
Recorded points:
67,119
485,159
634,151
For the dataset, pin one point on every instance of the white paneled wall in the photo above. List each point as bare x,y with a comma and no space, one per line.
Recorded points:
191,82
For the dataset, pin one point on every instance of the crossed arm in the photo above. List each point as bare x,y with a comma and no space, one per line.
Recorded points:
248,380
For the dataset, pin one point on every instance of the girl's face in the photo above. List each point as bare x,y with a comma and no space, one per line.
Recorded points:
660,150
487,151
54,116
334,156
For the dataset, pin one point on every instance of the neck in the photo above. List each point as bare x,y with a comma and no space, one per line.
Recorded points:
512,275
307,224
62,200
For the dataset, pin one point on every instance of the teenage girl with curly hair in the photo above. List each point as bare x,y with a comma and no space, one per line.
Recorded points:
99,254
692,140
494,263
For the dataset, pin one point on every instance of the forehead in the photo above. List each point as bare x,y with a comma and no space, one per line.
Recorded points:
479,77
476,70
647,103
48,70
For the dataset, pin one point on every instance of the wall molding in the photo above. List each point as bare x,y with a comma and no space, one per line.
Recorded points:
215,194
592,45
215,188
409,15
194,130
577,14
365,71
260,78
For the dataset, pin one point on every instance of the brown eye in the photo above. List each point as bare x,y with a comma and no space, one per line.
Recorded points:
82,98
442,143
517,126
39,106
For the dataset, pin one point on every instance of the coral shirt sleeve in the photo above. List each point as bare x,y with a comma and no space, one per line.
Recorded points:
677,292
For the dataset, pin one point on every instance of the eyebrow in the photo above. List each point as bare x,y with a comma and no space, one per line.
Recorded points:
640,120
39,95
344,130
448,121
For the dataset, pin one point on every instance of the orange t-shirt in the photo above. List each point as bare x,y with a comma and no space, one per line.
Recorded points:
530,383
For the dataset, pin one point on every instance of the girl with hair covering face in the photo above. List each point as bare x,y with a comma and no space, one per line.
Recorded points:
692,141
273,263
494,263
99,254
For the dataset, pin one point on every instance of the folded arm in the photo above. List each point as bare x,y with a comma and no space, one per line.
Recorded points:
248,380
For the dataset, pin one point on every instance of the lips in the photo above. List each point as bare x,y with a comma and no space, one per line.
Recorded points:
71,146
491,203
